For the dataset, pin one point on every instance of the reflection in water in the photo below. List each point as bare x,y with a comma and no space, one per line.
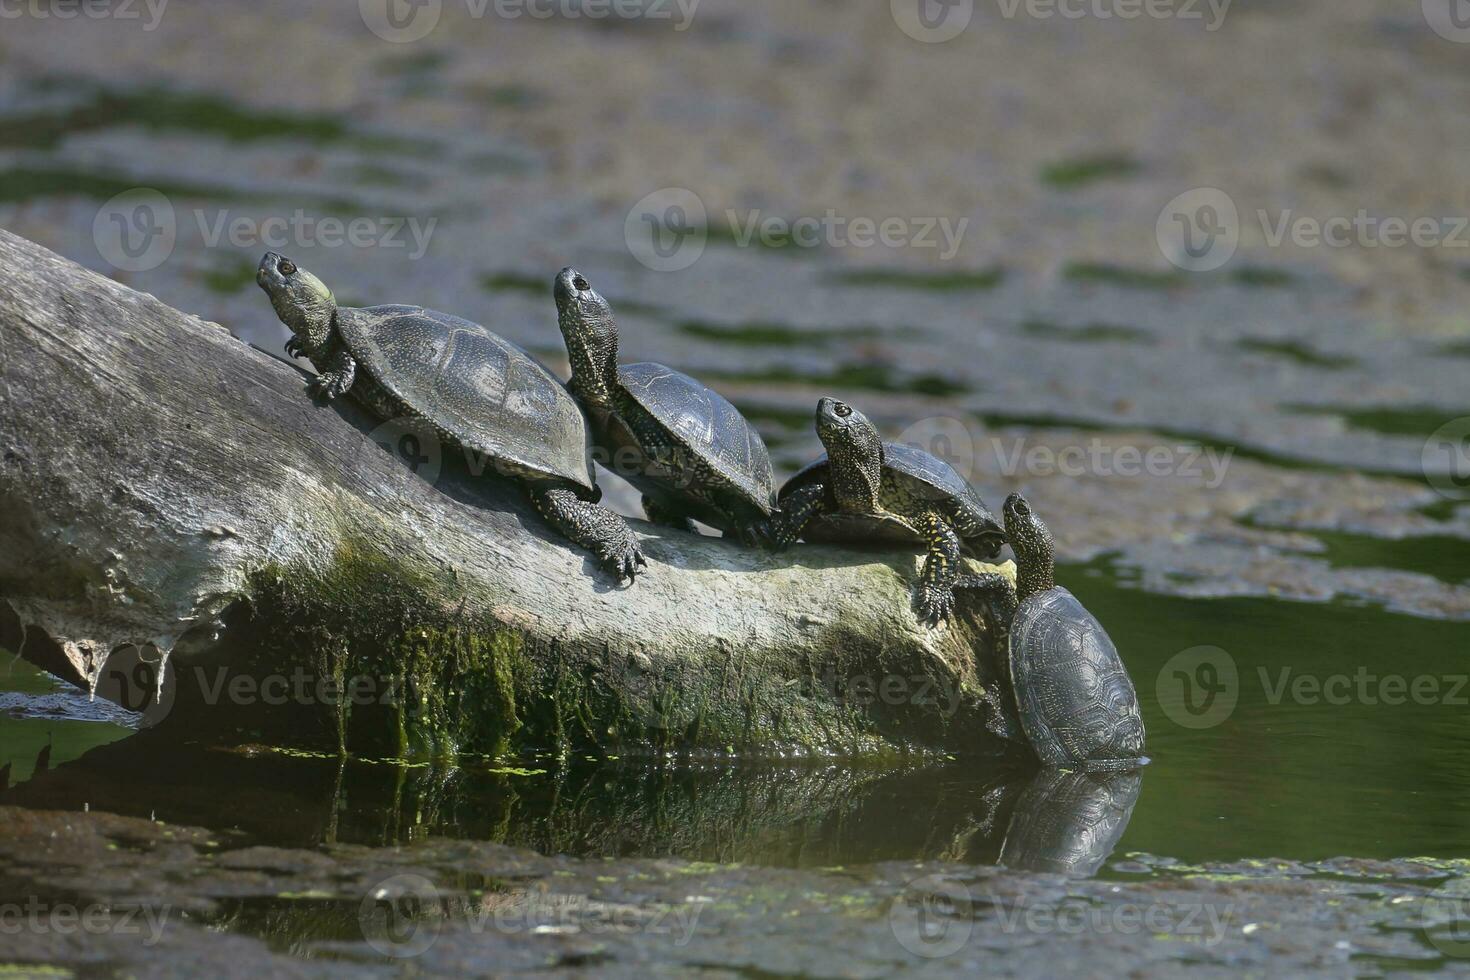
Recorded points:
812,816
1069,821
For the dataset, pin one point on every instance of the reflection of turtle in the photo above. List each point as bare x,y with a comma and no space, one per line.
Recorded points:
691,453
866,489
1075,699
478,391
1069,822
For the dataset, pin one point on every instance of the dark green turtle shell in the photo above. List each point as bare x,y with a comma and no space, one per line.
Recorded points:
476,388
704,422
921,474
1076,700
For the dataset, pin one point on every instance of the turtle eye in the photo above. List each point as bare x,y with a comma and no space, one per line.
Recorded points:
842,410
287,267
580,284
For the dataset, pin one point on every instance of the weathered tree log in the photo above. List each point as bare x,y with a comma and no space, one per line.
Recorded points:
172,496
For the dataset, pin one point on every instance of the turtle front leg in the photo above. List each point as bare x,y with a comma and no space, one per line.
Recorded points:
592,526
934,596
1000,596
666,516
341,371
782,528
997,590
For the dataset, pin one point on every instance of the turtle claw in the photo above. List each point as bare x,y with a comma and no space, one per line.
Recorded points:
933,606
625,562
294,347
327,387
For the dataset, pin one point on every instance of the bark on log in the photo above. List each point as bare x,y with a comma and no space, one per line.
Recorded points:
160,478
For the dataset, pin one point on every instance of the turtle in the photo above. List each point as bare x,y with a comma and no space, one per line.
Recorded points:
477,390
681,443
1075,700
865,489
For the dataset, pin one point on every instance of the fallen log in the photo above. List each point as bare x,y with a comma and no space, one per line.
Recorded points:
184,530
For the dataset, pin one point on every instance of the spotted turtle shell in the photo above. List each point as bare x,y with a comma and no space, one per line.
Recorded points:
1069,822
1076,700
478,389
708,425
921,473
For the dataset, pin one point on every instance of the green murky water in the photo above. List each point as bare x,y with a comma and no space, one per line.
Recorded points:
1315,731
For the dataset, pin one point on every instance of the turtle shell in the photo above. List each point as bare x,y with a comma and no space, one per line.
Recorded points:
1076,700
478,389
918,473
706,423
1069,822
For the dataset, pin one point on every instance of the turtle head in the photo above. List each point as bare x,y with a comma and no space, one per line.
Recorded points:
302,301
854,452
591,335
1031,541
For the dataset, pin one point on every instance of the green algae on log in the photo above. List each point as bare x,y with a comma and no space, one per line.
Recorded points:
176,507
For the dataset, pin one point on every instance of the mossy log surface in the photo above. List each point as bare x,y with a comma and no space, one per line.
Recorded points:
183,529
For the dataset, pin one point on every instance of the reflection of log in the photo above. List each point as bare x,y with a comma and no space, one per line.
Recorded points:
802,814
159,478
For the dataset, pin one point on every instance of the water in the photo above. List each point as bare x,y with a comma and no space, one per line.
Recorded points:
1298,769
